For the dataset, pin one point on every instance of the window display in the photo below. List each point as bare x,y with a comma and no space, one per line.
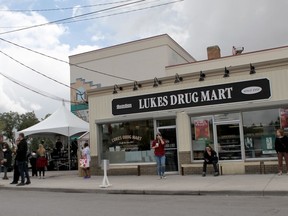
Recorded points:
127,142
259,132
202,135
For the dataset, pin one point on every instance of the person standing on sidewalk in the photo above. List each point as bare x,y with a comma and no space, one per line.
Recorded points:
21,160
210,157
15,165
1,151
86,154
159,151
7,159
41,161
281,147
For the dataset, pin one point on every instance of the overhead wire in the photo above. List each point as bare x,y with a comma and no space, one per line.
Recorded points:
124,12
75,65
69,18
24,65
64,8
66,61
63,61
45,94
108,15
37,91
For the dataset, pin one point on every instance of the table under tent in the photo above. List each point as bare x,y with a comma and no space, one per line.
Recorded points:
63,126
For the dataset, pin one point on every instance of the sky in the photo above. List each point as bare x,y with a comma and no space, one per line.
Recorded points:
79,26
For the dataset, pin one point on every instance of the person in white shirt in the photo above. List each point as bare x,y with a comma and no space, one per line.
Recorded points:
86,154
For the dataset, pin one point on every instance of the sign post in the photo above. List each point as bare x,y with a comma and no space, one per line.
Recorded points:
105,167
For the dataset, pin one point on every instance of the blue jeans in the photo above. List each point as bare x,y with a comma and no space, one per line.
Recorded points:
160,160
23,170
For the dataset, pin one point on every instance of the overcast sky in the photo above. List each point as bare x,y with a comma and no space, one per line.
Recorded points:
194,24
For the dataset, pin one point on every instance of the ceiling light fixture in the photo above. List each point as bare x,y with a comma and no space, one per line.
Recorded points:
117,87
226,73
252,69
202,76
157,82
178,78
136,86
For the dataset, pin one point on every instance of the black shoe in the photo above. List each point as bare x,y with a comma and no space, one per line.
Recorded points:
28,182
21,184
203,174
14,182
216,174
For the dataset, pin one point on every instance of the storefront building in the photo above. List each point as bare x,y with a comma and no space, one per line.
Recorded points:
234,104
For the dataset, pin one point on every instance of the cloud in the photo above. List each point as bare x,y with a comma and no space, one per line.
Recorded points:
6,104
195,25
44,40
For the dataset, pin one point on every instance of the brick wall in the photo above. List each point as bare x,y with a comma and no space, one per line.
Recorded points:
185,157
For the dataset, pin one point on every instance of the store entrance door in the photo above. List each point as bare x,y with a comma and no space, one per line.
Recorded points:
169,134
228,141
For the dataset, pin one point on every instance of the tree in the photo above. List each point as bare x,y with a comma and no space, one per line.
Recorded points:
11,121
27,120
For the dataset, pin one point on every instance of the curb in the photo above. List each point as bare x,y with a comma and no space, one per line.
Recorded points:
152,192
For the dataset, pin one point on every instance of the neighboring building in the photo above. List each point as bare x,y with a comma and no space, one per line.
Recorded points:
235,106
128,62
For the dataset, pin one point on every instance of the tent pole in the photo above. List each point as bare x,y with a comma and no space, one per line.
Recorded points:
69,157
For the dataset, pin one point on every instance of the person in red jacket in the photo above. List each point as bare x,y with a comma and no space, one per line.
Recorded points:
159,150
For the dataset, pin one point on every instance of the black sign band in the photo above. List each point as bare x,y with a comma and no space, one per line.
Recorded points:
210,95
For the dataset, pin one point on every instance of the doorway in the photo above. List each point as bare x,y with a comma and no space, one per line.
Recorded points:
228,139
169,134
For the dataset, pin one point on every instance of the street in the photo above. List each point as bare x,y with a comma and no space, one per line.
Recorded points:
19,203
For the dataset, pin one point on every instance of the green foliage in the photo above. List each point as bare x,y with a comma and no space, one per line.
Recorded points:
12,121
27,120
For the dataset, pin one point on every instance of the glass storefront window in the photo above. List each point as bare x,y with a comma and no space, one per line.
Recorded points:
259,132
166,122
127,142
202,135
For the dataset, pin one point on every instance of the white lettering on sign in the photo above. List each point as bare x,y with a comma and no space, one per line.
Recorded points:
124,106
251,90
212,95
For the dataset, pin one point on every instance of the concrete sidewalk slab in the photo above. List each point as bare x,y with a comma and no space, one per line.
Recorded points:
69,181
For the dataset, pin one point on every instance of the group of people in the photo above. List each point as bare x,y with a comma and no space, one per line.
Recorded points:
158,144
210,155
20,165
38,159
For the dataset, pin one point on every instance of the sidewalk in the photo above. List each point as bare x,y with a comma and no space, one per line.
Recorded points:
69,181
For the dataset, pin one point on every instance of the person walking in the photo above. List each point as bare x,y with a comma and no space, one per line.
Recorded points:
159,151
281,147
210,157
7,159
41,162
21,160
86,154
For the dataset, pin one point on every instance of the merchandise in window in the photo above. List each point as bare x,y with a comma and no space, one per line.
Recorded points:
259,132
127,142
202,135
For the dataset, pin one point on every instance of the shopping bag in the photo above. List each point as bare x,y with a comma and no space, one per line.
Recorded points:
83,162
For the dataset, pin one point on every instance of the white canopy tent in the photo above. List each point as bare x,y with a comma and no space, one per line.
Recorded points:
63,122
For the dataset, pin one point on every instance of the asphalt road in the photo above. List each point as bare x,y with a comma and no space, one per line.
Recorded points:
19,203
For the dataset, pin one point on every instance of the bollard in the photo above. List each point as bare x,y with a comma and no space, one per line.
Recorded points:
105,167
